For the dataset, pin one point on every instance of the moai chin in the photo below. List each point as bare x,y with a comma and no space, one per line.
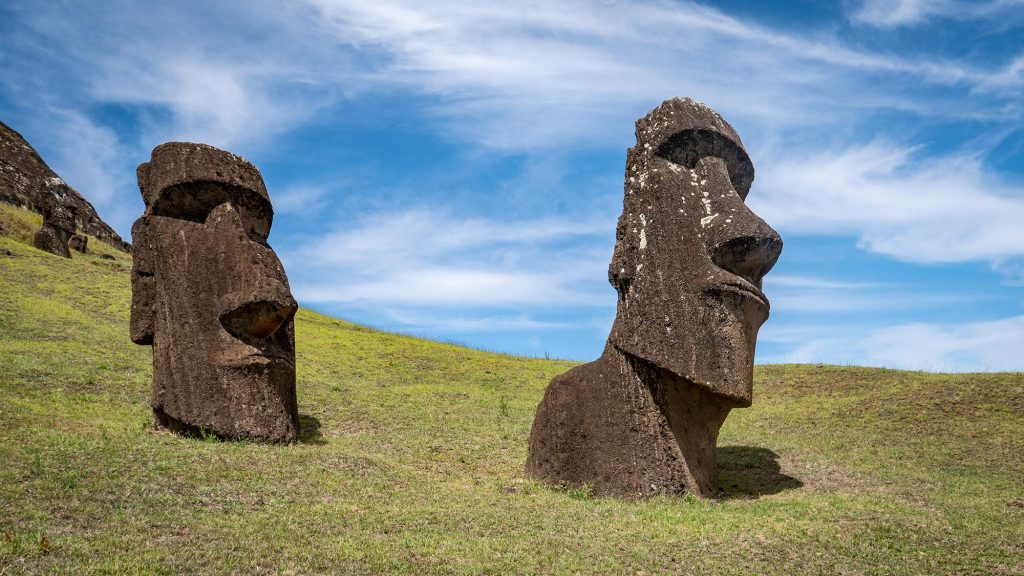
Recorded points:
689,257
211,297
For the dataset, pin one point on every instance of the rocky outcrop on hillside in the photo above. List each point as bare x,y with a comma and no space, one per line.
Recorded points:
26,181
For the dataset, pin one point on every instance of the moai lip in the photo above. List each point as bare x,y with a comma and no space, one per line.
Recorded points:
689,257
211,297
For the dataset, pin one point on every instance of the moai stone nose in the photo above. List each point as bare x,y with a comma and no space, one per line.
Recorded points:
751,253
738,240
258,319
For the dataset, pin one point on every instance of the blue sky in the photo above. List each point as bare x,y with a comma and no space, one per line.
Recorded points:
454,169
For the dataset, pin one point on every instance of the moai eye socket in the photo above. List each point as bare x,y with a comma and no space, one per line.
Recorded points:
258,319
194,201
687,147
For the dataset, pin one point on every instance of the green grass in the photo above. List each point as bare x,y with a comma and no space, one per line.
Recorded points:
411,456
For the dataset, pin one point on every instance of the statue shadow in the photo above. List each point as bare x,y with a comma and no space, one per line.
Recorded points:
309,430
749,472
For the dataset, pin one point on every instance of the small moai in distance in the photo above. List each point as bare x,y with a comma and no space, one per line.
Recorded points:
79,243
58,222
643,419
211,297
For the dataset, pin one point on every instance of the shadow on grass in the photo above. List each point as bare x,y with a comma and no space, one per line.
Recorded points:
309,430
747,472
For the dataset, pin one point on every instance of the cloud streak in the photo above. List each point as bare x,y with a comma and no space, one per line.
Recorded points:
571,66
427,257
943,347
898,13
935,210
514,77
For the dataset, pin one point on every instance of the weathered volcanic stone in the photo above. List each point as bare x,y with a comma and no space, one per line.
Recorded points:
212,298
26,181
58,223
79,243
689,256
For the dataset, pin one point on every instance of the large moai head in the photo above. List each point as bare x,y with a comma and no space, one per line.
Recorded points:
689,255
58,220
211,297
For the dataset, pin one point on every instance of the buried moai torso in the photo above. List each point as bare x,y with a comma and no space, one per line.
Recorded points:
689,257
79,243
211,297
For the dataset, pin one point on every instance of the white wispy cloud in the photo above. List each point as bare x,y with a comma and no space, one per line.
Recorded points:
511,75
889,13
942,347
198,71
776,281
814,295
517,75
1009,77
301,198
430,257
91,152
90,158
925,210
864,323
896,13
420,320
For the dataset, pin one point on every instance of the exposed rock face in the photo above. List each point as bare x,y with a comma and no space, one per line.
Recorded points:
689,258
58,223
212,298
79,243
26,181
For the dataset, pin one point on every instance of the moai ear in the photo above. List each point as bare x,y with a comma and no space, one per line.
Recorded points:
143,311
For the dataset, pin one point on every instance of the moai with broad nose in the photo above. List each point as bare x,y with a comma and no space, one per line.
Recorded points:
58,222
211,297
689,257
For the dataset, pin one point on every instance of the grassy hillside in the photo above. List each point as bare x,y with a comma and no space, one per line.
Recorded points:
411,455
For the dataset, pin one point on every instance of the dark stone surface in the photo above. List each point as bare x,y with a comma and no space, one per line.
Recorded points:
212,298
689,257
58,222
26,181
79,243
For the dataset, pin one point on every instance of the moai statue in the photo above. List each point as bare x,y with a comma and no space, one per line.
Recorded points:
58,222
211,297
79,243
643,418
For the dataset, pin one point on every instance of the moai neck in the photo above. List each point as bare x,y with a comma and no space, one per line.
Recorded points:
693,415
